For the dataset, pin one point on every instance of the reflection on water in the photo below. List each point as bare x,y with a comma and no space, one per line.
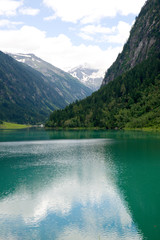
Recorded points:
33,134
62,189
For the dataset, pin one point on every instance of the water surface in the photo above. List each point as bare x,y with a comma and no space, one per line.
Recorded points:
73,185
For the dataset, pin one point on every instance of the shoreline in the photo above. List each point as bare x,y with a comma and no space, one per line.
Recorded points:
145,129
16,126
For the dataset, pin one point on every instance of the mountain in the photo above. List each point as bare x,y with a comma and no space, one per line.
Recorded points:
130,94
67,86
27,96
143,42
90,77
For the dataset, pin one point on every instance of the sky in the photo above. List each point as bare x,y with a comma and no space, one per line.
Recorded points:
68,33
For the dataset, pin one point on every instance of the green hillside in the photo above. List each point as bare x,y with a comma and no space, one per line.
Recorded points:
130,93
130,101
24,95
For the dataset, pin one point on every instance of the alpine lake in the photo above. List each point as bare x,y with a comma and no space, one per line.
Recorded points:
79,185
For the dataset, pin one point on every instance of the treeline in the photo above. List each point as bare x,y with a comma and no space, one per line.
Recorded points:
132,100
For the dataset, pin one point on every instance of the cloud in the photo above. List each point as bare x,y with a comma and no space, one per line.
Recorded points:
29,11
50,18
92,29
91,196
59,51
122,33
116,34
85,36
9,7
21,40
9,24
63,191
90,11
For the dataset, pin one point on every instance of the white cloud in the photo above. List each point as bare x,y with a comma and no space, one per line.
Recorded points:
29,11
9,7
21,40
116,34
85,36
122,33
50,18
92,29
9,24
89,11
57,50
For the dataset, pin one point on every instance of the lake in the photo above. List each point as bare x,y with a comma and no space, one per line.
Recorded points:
79,185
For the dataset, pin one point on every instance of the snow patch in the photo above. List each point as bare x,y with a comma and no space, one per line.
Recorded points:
24,55
21,60
91,77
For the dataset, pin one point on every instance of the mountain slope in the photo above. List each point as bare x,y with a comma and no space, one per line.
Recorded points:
131,100
67,86
143,42
25,97
90,77
28,96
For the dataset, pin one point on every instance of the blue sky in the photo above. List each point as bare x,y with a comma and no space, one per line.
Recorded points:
68,33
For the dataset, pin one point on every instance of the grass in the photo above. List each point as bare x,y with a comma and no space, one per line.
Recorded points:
8,125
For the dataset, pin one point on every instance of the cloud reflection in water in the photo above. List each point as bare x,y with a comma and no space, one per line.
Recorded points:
73,193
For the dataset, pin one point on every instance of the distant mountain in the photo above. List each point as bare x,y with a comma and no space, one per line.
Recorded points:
90,77
130,94
28,96
66,85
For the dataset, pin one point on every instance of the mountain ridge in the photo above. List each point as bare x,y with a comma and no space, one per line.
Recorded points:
26,95
65,84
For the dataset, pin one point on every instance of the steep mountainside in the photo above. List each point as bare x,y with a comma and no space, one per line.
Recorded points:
90,77
144,41
67,86
131,100
26,95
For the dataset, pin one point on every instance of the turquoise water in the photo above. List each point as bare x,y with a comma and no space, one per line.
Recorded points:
74,185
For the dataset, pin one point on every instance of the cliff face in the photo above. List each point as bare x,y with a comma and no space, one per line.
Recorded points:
144,41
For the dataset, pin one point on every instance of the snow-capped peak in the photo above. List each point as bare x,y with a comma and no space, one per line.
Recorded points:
89,76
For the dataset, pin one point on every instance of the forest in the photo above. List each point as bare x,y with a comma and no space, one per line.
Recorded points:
132,100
